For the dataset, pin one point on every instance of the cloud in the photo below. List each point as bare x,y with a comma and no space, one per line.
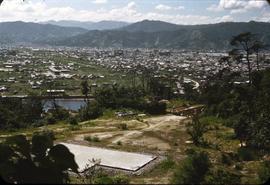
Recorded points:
100,1
180,8
38,11
162,7
237,6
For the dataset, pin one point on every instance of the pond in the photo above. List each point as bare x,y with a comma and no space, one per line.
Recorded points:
69,104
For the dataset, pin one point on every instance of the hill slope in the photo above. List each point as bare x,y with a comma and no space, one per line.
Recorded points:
14,32
212,36
102,25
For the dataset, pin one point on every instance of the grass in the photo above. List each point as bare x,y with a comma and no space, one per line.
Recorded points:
178,103
91,139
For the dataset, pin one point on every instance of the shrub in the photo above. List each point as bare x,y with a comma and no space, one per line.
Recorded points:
87,138
123,126
51,120
119,143
91,139
167,164
91,111
246,154
73,121
221,176
96,139
74,127
264,172
193,169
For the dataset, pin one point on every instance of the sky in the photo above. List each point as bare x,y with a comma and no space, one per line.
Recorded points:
188,12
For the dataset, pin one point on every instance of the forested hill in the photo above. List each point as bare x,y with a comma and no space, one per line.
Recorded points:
17,32
155,34
144,34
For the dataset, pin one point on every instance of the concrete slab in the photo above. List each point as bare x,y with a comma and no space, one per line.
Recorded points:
108,158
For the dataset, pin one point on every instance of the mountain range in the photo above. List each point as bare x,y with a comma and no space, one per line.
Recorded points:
101,25
143,34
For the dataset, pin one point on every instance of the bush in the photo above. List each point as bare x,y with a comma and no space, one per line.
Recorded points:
87,138
96,139
193,169
51,120
264,172
123,126
167,164
91,139
221,176
119,143
155,108
246,154
74,127
103,178
73,121
91,111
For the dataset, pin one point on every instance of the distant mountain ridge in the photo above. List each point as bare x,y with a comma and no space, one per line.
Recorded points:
14,32
148,34
101,25
144,34
151,26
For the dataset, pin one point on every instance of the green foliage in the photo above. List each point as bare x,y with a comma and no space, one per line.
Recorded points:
92,139
167,164
123,126
196,129
25,162
85,88
91,111
128,97
264,172
73,121
155,108
74,127
17,113
103,178
246,154
192,170
222,176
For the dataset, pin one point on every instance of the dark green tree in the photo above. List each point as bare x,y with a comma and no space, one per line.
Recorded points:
244,42
196,129
22,162
85,89
193,169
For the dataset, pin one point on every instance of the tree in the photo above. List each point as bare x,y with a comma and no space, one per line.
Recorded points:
91,111
85,89
264,172
241,129
22,162
193,169
244,43
257,47
222,176
196,129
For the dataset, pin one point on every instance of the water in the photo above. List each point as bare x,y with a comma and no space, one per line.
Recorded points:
69,104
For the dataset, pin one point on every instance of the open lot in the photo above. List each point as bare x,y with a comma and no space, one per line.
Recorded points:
84,157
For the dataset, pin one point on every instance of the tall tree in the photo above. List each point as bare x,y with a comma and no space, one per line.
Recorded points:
244,43
257,47
85,89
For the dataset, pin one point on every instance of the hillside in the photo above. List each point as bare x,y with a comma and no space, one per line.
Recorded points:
212,36
101,25
17,32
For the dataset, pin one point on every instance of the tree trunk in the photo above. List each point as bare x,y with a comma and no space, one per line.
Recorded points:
249,68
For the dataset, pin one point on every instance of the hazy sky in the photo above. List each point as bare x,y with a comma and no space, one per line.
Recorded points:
175,11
